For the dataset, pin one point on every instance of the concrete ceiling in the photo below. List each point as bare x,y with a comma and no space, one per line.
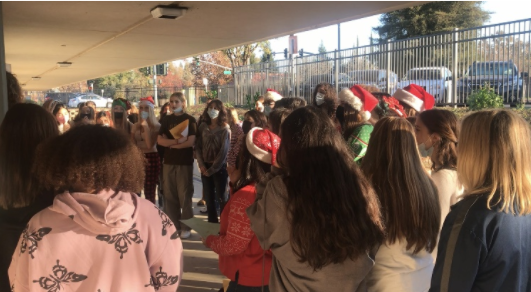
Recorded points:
102,38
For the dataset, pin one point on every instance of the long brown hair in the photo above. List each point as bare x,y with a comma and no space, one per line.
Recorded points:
330,98
409,199
350,118
444,124
333,211
222,117
24,127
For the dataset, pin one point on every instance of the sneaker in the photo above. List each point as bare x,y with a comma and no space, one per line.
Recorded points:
201,203
186,234
203,210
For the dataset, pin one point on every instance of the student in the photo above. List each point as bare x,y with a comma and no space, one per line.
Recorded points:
414,99
92,105
145,133
241,258
387,106
356,106
178,133
211,148
21,197
259,104
236,136
62,116
485,238
319,216
85,116
98,234
164,111
253,118
270,98
133,114
14,91
104,118
410,208
325,97
276,118
291,103
120,107
436,132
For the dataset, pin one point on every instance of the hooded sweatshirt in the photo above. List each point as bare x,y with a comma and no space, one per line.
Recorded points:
98,242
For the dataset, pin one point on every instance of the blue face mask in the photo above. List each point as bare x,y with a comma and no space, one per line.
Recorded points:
178,110
423,151
144,115
213,113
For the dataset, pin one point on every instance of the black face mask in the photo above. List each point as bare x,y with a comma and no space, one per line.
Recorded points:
118,115
246,126
89,116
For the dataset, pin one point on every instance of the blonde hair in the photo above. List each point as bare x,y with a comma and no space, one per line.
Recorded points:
494,148
181,97
232,116
151,112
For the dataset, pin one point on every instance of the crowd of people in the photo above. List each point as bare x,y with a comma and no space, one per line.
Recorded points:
359,190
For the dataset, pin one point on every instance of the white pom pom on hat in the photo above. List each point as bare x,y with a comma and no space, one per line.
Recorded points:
359,99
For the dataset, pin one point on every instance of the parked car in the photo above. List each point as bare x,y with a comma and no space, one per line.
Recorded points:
98,100
437,81
63,97
502,76
377,78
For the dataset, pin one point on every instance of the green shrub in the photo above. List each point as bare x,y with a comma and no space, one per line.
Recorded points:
484,98
251,100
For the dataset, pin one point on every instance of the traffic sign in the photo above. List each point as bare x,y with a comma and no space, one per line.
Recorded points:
227,72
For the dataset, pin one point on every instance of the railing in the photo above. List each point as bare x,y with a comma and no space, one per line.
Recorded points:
450,65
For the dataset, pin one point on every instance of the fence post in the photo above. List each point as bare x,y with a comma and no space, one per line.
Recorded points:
455,58
336,70
388,67
236,91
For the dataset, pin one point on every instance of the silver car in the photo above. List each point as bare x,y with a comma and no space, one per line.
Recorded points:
98,100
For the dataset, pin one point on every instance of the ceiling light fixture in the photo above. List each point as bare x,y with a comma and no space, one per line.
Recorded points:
168,12
36,78
64,64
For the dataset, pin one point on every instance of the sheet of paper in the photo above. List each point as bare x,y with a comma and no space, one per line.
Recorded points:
202,227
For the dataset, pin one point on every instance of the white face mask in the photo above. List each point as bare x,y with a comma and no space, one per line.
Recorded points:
105,125
213,113
423,151
178,110
319,98
144,115
267,110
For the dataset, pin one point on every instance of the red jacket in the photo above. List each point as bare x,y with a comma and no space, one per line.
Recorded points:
237,245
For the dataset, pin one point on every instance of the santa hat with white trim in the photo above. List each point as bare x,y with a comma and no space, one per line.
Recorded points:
272,95
416,97
359,99
263,144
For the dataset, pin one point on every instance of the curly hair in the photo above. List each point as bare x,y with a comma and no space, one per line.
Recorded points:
277,117
14,91
90,158
330,98
222,117
444,124
341,216
258,117
291,103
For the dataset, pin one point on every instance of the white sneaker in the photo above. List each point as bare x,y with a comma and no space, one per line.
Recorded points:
186,234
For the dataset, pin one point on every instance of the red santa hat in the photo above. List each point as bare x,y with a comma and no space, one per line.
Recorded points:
272,95
263,144
149,101
416,97
359,99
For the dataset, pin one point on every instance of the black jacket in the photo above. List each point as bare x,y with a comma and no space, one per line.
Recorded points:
492,250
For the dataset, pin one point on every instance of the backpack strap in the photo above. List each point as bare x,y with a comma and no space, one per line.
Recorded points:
452,241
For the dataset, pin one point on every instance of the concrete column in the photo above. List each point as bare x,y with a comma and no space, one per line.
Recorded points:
3,82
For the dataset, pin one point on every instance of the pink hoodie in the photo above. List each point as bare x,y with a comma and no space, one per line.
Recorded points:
109,242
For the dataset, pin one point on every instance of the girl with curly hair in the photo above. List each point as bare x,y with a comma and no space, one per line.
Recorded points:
98,234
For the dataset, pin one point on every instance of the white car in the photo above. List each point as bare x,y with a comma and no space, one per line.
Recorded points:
437,81
98,100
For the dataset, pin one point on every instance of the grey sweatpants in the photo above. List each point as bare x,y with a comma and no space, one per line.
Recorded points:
178,192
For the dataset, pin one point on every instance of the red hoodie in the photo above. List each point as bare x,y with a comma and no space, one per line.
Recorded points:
237,245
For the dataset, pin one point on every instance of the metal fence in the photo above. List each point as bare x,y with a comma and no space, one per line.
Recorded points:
195,95
449,65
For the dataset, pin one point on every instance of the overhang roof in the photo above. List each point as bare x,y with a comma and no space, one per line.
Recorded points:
102,38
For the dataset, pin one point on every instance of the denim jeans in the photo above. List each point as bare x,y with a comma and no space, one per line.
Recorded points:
214,187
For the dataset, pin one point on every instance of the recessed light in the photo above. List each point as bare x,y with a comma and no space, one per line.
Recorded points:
36,78
168,12
64,64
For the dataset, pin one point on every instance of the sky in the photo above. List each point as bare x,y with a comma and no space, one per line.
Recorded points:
503,11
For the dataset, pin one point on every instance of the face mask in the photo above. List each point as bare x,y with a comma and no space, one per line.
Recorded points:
105,125
178,110
267,110
246,126
144,115
118,115
213,113
425,152
82,116
61,127
319,98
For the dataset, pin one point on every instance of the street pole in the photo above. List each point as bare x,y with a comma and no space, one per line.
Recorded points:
155,95
339,36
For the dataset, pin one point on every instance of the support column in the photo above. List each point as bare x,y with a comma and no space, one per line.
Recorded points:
3,81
